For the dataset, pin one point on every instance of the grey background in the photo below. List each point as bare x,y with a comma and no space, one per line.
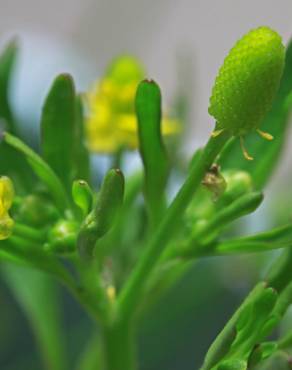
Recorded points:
82,36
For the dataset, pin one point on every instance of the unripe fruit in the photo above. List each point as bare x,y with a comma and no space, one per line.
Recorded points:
247,82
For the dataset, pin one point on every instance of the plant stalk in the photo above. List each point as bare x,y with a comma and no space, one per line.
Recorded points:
119,346
134,287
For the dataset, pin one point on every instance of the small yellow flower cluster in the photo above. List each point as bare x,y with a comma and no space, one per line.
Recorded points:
111,120
6,198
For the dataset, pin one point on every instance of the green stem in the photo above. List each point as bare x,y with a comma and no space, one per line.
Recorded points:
90,358
134,287
92,293
119,349
28,232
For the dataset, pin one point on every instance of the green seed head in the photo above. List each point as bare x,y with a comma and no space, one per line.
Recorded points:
248,81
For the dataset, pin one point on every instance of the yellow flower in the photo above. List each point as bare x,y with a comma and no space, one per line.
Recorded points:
6,198
111,121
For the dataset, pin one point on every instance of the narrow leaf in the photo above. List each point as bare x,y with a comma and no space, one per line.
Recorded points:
41,169
11,163
58,128
29,288
7,63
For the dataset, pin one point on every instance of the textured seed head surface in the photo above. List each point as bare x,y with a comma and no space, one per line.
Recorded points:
248,81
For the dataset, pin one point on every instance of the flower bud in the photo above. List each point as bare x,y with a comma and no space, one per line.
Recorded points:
152,150
238,184
62,237
35,210
101,219
82,195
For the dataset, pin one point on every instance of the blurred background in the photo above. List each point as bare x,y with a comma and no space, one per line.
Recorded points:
182,44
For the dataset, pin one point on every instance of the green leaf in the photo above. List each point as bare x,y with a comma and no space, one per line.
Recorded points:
27,253
226,336
82,196
41,169
221,349
59,129
273,239
266,154
251,323
261,352
245,246
11,163
7,63
280,274
8,256
203,235
284,301
39,298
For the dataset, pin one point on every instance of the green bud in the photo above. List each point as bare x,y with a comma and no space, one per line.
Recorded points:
62,237
153,153
102,218
35,210
238,183
202,208
82,195
205,231
248,81
109,201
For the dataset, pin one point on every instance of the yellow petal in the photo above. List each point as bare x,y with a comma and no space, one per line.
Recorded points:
111,122
6,194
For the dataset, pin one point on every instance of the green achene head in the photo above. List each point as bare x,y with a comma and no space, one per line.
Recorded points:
247,82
